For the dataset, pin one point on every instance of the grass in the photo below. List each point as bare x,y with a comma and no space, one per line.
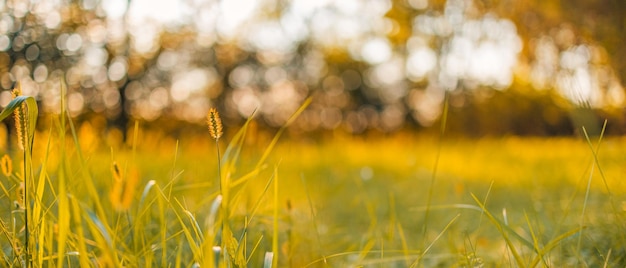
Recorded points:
271,201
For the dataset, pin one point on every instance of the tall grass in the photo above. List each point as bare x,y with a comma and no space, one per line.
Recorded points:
66,222
25,111
348,201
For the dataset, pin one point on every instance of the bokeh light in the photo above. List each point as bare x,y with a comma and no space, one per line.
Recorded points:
367,64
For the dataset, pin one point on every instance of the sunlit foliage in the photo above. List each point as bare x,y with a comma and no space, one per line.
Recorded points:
370,65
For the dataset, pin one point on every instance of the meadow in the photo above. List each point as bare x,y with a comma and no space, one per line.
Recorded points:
76,197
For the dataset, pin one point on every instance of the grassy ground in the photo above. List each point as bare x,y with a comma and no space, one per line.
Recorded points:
401,200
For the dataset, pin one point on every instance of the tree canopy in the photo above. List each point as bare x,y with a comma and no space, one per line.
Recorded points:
367,64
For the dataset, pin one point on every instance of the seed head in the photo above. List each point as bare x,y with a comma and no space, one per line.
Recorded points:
19,196
215,124
130,185
20,118
117,174
122,193
7,165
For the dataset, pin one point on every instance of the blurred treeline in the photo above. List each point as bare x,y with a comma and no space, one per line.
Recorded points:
537,67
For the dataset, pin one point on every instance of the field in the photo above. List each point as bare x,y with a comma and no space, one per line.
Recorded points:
272,200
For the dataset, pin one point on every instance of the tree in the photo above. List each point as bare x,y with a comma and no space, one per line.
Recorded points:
368,65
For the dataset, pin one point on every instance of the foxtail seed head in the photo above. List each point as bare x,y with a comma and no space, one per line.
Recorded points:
122,193
19,196
20,118
7,165
215,124
117,174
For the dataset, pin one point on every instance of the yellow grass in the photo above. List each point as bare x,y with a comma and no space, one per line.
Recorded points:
340,200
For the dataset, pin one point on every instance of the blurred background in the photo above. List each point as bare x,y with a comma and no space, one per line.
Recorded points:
533,67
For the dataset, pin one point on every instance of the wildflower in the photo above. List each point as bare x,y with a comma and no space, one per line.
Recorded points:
215,124
7,165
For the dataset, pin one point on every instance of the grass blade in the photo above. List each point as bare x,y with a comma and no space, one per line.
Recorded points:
417,261
505,231
62,199
80,234
554,243
272,144
442,130
268,260
274,255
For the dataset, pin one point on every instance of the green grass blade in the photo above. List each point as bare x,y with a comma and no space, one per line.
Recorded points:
552,244
62,198
38,216
196,228
313,218
417,261
253,213
505,231
594,152
87,179
275,245
442,130
213,214
608,256
193,245
233,151
535,240
256,246
100,233
272,144
83,254
146,190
